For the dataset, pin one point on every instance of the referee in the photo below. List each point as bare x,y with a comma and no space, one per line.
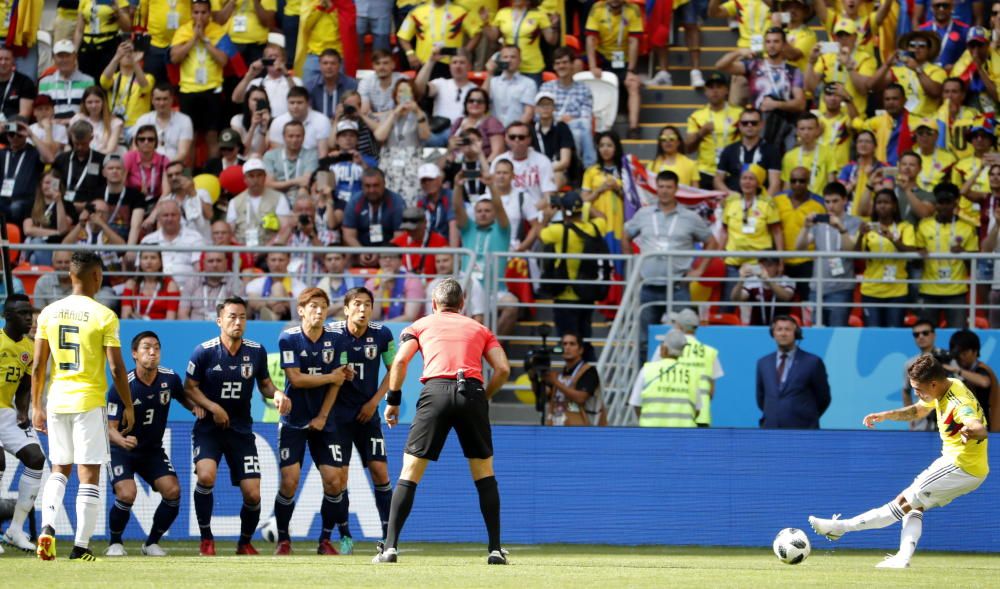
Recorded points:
453,396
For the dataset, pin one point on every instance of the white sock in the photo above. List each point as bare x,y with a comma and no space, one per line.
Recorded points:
88,505
880,517
52,498
27,490
913,526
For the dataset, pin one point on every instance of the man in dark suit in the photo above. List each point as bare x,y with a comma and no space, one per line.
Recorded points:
792,388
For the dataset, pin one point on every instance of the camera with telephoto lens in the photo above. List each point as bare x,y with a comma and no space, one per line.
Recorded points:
350,110
943,356
304,220
537,362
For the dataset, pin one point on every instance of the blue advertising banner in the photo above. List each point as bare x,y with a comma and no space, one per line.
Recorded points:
731,487
864,366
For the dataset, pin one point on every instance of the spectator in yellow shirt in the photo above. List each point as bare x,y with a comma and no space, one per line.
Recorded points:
711,128
958,119
913,68
525,27
836,124
750,220
849,66
248,23
936,162
669,157
441,24
162,21
801,37
809,154
883,290
97,26
129,88
794,205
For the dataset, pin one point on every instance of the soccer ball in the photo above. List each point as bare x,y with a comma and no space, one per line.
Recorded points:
791,546
269,531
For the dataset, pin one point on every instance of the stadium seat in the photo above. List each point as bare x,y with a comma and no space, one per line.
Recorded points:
479,77
574,42
724,319
29,275
605,92
982,322
549,77
14,236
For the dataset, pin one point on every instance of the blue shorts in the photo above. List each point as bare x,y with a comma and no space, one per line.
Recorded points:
239,449
984,271
366,437
150,464
324,447
692,13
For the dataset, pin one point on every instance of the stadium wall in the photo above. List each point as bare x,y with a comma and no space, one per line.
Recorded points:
618,486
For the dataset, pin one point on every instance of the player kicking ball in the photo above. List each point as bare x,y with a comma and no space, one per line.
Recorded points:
962,467
220,378
312,379
141,451
16,433
79,334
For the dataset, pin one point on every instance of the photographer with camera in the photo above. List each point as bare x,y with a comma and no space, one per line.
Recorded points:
128,86
448,92
271,73
310,231
979,377
762,285
574,396
513,93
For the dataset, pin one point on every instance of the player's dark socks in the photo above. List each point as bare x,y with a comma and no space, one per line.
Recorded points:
340,514
163,518
489,504
203,504
402,502
328,516
383,500
249,518
283,508
117,520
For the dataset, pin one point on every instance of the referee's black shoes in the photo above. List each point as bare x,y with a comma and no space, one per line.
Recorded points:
497,557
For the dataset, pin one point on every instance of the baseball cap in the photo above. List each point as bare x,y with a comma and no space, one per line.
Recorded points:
43,100
346,125
229,138
674,341
428,171
253,164
63,46
716,78
412,216
846,25
572,202
917,122
978,34
686,319
542,95
987,129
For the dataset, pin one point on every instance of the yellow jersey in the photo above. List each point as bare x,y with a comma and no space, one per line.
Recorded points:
324,29
15,362
956,129
883,277
917,101
819,162
934,169
100,19
867,31
553,235
953,409
293,7
803,39
524,29
748,227
434,25
192,79
614,30
78,329
685,168
960,174
608,202
836,137
754,17
830,71
127,98
937,237
724,131
793,218
243,26
164,18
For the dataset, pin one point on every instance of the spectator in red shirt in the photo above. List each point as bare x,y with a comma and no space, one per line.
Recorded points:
417,234
152,295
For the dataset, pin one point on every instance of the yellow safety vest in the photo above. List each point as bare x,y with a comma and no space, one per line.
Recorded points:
701,357
671,394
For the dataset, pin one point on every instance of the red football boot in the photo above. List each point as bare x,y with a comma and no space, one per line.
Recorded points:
326,547
247,550
284,548
207,548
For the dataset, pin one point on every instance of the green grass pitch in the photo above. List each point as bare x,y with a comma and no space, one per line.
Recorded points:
464,565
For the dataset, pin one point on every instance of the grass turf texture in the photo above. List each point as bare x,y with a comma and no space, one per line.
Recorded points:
464,565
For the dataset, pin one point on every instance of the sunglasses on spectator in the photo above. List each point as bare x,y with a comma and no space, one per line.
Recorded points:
918,45
800,181
749,123
941,5
145,139
475,101
922,333
517,137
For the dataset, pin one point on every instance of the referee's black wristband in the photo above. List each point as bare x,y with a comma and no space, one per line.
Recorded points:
394,398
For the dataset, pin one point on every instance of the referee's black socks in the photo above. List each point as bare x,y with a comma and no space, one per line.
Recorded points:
399,510
489,504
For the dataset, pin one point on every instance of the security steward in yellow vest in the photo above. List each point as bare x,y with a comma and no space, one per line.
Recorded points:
668,393
702,357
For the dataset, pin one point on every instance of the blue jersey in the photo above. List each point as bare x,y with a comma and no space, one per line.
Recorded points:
310,357
152,406
227,379
376,346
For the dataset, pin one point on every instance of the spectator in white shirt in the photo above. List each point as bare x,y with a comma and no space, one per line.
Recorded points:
180,265
376,91
317,126
46,129
270,73
448,93
174,127
525,222
532,170
513,93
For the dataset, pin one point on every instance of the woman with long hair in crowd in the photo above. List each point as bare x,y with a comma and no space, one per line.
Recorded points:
151,294
401,132
856,175
107,129
477,116
670,157
604,190
48,222
254,122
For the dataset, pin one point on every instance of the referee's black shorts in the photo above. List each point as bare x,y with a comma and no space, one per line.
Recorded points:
442,407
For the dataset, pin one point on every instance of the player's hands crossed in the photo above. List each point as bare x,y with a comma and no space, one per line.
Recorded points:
128,442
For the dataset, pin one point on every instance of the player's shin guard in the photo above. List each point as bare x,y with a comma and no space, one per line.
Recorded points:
163,518
249,518
913,526
52,498
874,519
489,504
117,520
27,491
203,504
383,500
402,503
88,504
283,508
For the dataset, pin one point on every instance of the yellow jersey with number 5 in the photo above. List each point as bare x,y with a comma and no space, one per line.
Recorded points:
78,330
15,362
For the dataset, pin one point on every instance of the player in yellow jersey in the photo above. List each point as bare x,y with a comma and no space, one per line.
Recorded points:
16,434
962,467
79,334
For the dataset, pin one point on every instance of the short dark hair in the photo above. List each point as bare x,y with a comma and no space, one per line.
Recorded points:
895,86
668,176
503,160
331,52
835,188
12,299
298,91
355,293
963,340
925,321
807,116
83,262
143,335
911,153
373,172
313,293
954,80
234,300
946,191
380,54
574,335
926,369
164,87
564,53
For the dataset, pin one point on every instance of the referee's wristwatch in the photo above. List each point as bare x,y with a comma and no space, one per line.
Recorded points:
394,398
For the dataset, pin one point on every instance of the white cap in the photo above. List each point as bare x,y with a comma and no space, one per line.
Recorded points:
541,95
346,125
674,340
276,39
253,165
63,46
428,171
686,319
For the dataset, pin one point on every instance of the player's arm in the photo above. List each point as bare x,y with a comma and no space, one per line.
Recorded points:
193,392
22,400
120,377
312,381
397,375
972,430
370,407
38,382
319,422
909,413
497,359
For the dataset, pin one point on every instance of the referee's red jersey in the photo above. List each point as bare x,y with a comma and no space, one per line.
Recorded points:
450,342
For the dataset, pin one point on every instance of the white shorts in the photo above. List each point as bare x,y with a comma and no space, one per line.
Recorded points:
12,438
940,484
79,438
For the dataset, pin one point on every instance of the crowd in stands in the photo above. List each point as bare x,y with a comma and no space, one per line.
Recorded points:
440,123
